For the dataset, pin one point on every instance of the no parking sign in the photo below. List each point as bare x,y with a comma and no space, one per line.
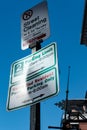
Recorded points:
34,25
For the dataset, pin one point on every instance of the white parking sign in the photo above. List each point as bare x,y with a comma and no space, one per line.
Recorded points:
34,25
33,78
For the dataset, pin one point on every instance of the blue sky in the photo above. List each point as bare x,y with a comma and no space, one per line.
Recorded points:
65,25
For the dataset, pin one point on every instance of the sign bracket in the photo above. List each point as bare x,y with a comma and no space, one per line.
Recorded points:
36,45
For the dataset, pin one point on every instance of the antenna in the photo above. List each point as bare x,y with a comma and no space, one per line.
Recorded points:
61,103
67,92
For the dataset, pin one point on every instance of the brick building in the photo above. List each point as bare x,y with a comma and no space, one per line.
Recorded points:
75,114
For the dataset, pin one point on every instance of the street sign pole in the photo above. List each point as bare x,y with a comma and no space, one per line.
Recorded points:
35,117
35,109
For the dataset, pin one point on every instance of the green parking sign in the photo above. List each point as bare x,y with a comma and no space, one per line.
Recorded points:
34,78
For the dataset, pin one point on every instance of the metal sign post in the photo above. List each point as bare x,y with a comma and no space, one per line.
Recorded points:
35,109
35,117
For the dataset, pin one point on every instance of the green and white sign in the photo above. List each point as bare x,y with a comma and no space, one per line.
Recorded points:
34,78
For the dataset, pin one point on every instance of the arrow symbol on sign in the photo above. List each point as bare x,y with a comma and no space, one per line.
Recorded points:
36,70
41,95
